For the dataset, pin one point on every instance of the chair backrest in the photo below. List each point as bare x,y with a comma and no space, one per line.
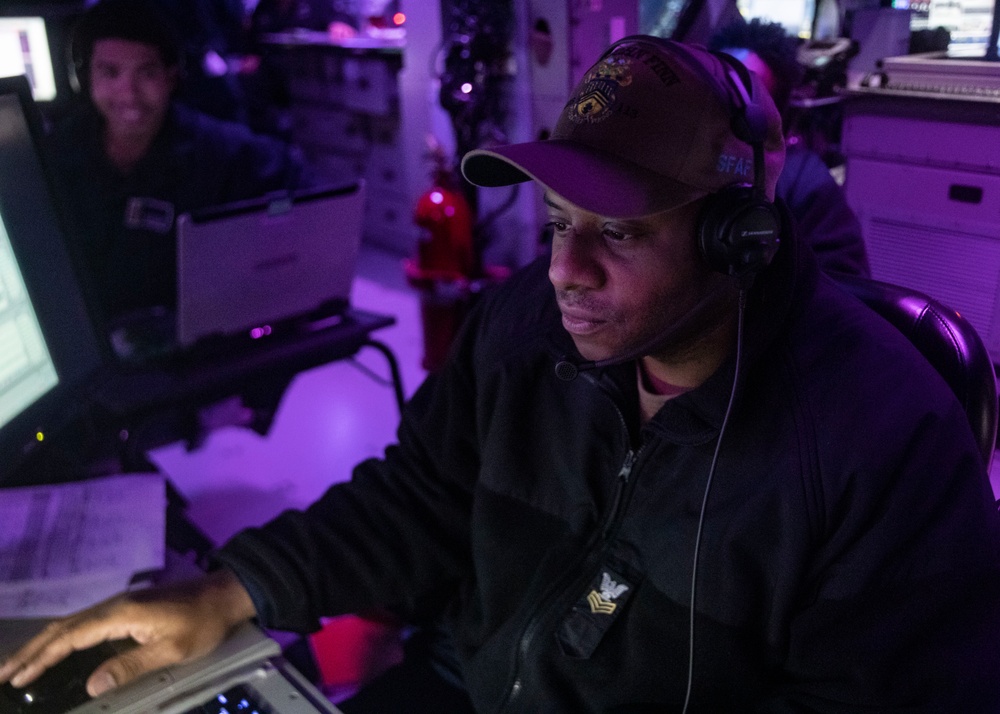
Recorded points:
948,342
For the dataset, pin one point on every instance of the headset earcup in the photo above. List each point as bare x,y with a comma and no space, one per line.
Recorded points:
738,234
76,72
76,60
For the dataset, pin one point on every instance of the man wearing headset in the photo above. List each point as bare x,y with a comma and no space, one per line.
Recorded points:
690,474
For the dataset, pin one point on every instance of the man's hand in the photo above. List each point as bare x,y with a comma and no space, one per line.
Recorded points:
171,624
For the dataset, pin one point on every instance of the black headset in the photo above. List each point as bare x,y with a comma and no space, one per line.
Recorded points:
739,229
121,19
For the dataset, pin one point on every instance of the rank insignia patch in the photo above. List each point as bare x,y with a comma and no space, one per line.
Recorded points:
592,615
604,601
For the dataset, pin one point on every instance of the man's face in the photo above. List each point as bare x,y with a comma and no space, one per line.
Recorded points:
131,86
621,284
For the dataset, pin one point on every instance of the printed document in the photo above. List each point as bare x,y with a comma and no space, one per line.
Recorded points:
67,546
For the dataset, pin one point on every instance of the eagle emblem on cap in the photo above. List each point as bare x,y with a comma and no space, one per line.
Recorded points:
617,69
599,90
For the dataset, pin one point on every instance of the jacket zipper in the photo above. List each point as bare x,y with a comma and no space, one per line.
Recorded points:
623,478
615,515
620,504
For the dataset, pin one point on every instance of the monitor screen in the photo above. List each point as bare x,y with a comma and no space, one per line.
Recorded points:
796,16
968,22
48,347
27,371
24,49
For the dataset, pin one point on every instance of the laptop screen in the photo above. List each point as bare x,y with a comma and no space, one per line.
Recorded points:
246,267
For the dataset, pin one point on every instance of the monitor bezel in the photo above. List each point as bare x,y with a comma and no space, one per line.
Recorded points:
37,239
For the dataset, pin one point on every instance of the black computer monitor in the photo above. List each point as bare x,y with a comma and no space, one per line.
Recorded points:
48,348
34,41
24,49
972,27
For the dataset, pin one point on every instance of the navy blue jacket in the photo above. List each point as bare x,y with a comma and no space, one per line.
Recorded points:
849,553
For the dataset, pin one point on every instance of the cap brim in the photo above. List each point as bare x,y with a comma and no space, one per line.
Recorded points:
586,177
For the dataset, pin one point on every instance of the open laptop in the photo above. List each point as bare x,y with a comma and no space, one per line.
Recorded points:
250,265
246,674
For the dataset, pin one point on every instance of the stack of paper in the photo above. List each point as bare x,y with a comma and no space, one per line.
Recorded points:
67,546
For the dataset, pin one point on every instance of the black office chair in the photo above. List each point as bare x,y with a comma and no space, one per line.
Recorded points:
948,342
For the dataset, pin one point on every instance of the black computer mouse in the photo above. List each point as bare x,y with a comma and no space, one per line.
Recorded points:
61,688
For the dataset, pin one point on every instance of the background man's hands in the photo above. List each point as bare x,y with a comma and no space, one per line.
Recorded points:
172,624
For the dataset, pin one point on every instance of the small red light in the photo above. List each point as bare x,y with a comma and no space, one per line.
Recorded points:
398,19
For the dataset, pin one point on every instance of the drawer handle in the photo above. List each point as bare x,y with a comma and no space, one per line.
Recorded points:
965,194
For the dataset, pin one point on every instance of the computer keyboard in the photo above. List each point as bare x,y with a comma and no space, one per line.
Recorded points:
245,675
240,699
63,687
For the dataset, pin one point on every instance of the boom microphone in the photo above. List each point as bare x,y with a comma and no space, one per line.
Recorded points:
568,368
567,371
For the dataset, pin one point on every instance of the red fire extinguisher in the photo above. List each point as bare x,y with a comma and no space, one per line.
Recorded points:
446,263
444,248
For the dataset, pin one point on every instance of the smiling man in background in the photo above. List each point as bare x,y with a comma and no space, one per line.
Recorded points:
131,158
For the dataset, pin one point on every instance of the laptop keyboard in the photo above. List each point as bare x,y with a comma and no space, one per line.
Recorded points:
240,699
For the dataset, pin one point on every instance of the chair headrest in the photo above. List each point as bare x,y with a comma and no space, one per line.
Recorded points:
948,341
